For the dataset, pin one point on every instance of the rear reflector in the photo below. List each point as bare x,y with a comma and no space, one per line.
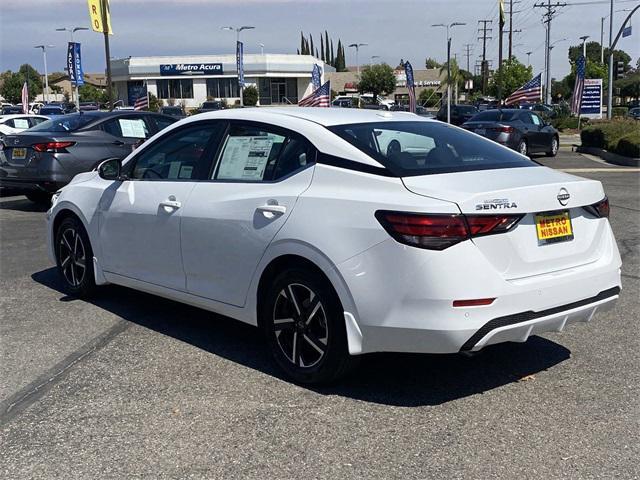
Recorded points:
438,231
52,146
473,303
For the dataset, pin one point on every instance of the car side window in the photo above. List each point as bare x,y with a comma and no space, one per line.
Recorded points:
256,154
526,118
127,127
36,121
163,122
536,119
177,156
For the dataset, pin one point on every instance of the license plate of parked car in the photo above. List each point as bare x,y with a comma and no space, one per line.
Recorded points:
554,227
19,153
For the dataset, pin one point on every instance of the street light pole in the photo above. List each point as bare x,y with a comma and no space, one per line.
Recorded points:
454,24
610,86
46,74
71,31
584,46
238,30
261,45
529,58
357,47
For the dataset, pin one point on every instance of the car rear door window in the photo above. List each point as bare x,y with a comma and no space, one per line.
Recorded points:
180,155
257,154
127,127
162,122
536,119
19,123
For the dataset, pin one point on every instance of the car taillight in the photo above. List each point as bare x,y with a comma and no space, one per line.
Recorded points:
438,231
600,209
503,129
52,146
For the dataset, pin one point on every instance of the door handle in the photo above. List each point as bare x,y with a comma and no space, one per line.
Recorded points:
270,211
171,203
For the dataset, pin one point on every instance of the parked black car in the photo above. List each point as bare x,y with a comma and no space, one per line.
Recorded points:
522,130
11,110
173,111
46,157
51,110
459,113
211,106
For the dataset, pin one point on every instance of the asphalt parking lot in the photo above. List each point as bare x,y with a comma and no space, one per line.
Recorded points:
134,386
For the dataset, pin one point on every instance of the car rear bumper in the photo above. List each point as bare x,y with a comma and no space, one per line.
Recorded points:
39,172
403,297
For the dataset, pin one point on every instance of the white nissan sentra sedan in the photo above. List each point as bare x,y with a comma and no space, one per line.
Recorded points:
299,221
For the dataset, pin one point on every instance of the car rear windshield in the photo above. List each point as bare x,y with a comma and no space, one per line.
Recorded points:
211,105
428,147
494,116
464,109
65,123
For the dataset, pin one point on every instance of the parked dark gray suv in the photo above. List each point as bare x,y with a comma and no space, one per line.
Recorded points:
46,157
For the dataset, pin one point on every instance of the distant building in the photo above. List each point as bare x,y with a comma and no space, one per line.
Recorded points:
190,80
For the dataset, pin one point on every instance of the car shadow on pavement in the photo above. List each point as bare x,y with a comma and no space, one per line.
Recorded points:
407,380
23,205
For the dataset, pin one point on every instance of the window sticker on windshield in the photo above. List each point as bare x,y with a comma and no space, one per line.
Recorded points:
21,123
245,158
132,128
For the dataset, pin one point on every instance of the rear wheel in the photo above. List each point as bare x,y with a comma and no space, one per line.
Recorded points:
553,149
304,323
74,257
41,198
523,148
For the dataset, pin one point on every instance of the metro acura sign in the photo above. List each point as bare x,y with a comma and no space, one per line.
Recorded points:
191,69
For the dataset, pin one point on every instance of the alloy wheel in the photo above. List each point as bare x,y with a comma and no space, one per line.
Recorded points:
300,325
522,148
554,146
72,256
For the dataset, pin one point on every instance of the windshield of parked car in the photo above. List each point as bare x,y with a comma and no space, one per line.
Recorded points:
428,147
65,123
495,116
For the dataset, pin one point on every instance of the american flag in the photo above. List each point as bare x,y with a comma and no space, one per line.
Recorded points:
576,98
411,86
529,92
142,102
321,97
25,98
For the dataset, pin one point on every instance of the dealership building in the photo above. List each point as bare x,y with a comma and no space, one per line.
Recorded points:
190,80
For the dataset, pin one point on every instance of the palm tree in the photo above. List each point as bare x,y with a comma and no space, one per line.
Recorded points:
455,76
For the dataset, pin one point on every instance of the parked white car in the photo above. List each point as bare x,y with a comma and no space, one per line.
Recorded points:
296,221
10,124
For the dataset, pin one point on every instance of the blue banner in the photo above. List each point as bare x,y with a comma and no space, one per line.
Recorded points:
239,64
74,64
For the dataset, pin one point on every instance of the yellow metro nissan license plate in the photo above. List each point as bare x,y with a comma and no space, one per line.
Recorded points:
554,227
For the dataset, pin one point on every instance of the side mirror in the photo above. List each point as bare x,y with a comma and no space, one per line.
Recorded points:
110,169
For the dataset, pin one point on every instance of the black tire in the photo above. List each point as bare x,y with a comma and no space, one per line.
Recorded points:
523,147
74,258
41,198
553,149
320,322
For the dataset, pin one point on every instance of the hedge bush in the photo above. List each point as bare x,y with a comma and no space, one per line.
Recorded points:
629,146
608,135
619,111
564,123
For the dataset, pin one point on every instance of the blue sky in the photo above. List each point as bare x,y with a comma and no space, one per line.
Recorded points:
393,29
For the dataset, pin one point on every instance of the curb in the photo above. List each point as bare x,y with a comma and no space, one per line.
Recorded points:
610,157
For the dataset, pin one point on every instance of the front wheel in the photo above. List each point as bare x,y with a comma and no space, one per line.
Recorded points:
304,323
553,150
523,148
74,257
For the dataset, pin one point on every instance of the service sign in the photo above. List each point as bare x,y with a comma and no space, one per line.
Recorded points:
591,106
177,69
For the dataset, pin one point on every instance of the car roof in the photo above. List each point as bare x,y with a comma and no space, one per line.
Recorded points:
17,115
322,116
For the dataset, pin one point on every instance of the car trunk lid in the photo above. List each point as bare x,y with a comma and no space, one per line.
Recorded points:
525,191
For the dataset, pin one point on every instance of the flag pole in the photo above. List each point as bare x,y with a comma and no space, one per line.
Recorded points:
105,30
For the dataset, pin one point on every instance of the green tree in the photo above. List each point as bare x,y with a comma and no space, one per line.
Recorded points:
428,98
154,104
511,76
377,79
90,93
431,63
13,81
455,75
250,96
629,86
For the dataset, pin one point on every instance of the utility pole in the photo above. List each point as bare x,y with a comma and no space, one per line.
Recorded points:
547,49
468,47
484,38
511,30
107,55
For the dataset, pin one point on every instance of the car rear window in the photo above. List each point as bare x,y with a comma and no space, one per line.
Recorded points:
464,109
66,123
495,116
427,147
